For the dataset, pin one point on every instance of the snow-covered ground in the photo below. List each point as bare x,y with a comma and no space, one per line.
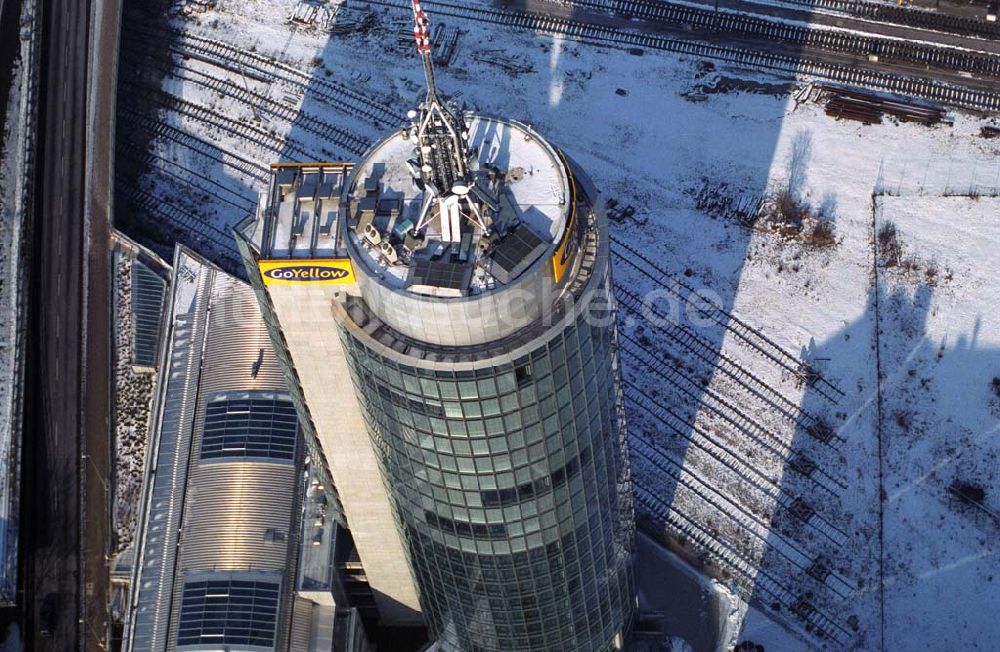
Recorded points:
16,140
761,442
939,349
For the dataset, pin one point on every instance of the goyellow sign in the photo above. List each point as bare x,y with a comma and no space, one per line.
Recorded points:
295,272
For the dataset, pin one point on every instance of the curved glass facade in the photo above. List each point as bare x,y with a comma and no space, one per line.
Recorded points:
510,486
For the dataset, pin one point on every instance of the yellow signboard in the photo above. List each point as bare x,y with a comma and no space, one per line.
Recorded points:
333,271
561,256
565,248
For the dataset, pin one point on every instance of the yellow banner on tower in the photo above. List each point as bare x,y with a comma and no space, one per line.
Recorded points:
332,271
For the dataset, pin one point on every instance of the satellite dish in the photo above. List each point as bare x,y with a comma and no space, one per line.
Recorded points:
411,114
460,189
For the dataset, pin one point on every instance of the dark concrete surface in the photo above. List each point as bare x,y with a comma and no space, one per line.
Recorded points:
691,609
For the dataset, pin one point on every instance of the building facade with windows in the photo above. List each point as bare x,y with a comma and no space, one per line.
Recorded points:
480,367
444,314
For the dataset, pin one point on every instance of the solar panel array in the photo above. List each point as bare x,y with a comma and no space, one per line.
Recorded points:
228,611
256,427
147,308
516,252
441,274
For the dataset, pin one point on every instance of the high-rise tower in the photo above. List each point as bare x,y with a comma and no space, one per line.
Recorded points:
463,284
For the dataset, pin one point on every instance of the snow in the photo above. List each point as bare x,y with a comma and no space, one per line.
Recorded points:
722,442
133,402
940,350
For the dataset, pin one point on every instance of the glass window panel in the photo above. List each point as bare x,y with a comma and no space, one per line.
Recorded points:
486,387
509,403
491,407
467,389
545,386
256,427
494,426
506,382
512,421
429,387
228,612
447,389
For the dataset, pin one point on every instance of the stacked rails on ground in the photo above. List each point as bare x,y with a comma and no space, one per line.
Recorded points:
855,104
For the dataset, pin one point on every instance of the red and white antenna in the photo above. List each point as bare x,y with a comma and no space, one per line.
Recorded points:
421,33
442,163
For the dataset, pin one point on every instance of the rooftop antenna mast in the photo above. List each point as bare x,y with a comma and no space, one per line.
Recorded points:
442,161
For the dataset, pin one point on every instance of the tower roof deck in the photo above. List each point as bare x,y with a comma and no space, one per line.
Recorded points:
385,203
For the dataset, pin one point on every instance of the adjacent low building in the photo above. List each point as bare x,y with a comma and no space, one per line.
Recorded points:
236,544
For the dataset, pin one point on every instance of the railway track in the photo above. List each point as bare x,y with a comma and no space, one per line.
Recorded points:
263,104
712,357
207,150
769,540
755,585
959,96
930,20
238,128
330,133
163,166
703,440
338,95
747,334
198,228
728,22
701,395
